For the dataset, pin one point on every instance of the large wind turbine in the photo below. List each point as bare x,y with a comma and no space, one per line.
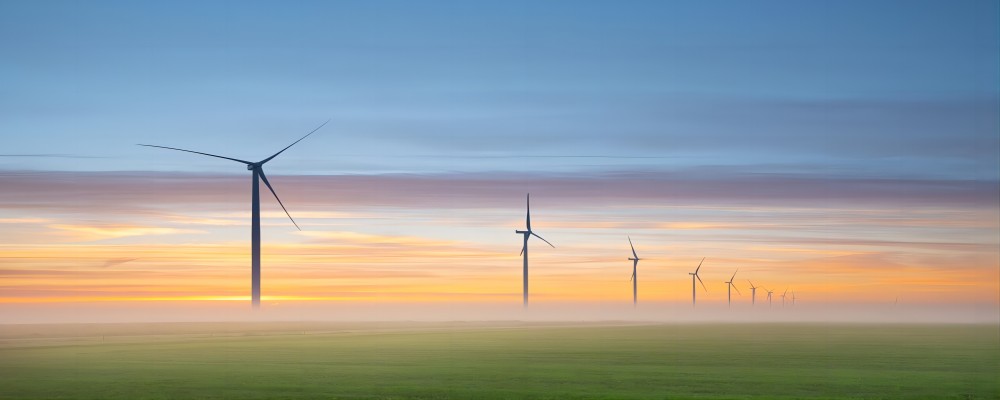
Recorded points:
524,250
753,293
634,278
258,175
693,276
730,286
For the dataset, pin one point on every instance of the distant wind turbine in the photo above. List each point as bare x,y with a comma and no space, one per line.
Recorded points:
769,292
730,286
783,297
793,297
693,276
524,250
258,175
753,293
634,278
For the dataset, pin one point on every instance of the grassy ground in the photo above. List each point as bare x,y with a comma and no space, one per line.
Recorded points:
505,361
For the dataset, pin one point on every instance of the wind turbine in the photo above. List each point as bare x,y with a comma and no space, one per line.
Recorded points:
730,286
693,276
769,292
634,278
793,297
783,297
753,293
258,175
524,250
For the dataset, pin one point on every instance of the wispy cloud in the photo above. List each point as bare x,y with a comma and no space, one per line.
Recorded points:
100,232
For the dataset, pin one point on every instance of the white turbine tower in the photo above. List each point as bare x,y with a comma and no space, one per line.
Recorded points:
524,250
634,278
258,175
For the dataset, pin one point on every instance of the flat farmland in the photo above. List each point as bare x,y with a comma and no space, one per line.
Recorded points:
501,360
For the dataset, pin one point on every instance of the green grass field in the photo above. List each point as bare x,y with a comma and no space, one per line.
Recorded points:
511,360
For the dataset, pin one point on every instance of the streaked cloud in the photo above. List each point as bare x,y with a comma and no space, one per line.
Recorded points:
100,232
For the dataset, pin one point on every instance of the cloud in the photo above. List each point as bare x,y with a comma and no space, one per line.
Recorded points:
150,193
117,261
24,220
86,233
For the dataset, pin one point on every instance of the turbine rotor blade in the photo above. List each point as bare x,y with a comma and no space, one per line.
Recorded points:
264,178
737,289
734,275
293,143
522,249
699,266
527,218
196,152
543,239
636,256
702,283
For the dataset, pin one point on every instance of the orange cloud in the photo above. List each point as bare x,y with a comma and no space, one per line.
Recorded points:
87,233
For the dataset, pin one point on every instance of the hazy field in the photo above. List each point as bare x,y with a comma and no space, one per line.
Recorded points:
499,360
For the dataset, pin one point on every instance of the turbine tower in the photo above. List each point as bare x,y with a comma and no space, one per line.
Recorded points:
729,288
753,293
634,278
257,168
693,276
524,250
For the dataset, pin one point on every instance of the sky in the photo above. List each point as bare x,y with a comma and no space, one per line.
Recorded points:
848,152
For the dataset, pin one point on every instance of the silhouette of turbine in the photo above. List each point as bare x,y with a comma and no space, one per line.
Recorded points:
634,278
693,276
258,175
524,250
729,288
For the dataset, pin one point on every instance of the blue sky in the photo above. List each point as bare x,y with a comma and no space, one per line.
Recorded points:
890,89
849,150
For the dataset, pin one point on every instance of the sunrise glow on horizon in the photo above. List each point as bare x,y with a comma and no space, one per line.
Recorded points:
856,162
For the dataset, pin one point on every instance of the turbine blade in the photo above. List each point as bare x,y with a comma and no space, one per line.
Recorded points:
737,289
264,178
702,283
633,247
543,239
699,266
734,275
293,143
527,219
631,277
196,152
522,249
